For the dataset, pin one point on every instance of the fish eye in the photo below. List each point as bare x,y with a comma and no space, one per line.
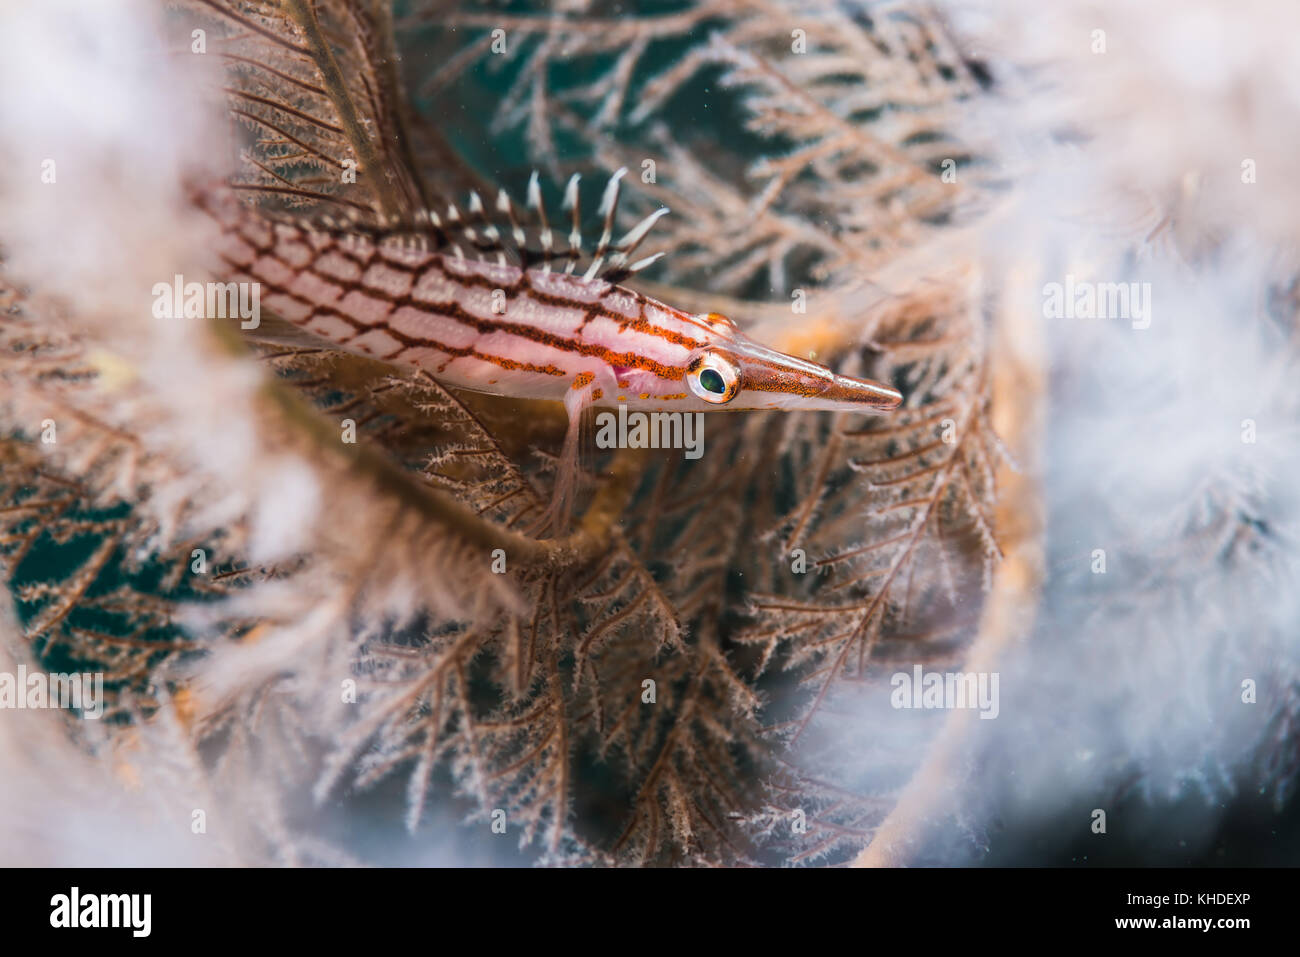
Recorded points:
713,379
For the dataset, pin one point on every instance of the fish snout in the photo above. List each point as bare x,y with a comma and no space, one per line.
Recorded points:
842,393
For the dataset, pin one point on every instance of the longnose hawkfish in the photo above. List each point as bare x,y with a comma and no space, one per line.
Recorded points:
449,293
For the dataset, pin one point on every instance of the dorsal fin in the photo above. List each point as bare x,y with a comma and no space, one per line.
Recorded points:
507,238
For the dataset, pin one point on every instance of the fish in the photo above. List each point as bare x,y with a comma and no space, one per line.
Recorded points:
489,306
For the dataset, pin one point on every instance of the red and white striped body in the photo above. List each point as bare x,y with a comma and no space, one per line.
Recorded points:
534,333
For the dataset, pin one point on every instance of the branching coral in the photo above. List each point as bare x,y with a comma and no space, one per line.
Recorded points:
644,642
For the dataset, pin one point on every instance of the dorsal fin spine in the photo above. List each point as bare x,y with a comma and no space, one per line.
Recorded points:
426,229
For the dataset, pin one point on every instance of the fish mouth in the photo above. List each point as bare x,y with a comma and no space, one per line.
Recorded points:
844,393
773,380
816,388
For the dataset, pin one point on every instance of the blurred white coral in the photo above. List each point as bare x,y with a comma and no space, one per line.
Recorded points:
1172,448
